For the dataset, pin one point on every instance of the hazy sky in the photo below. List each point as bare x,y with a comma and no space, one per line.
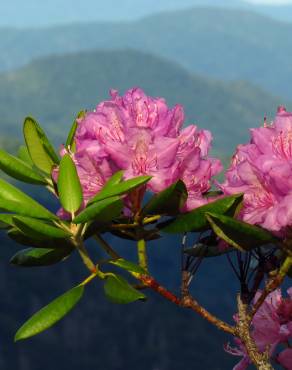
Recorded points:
271,1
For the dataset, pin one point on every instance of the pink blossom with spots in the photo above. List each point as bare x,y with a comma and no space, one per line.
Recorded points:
262,170
142,136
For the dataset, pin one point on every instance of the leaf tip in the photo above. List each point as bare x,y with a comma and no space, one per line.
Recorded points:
18,336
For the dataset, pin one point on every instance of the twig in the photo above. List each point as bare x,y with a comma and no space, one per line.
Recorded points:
142,254
150,282
260,360
85,256
189,302
185,301
106,247
272,285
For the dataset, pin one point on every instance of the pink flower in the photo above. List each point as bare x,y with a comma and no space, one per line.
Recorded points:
142,154
196,174
239,351
262,170
271,326
93,172
142,136
273,321
285,358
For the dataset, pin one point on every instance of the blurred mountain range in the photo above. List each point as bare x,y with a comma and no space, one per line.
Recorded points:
34,13
53,89
219,43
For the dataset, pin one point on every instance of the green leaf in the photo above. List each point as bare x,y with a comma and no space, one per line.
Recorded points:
114,180
120,188
50,314
145,234
26,210
105,211
6,220
18,169
37,240
196,220
23,154
118,290
30,226
169,201
69,187
36,257
239,234
40,150
71,135
14,200
128,266
212,194
124,234
206,251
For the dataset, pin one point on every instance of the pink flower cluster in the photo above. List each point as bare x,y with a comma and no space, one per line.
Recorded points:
142,136
262,170
271,326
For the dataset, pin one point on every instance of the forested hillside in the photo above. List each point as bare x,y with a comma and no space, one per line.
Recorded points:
222,43
54,89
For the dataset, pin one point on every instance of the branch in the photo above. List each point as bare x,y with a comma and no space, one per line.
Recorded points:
260,360
188,301
150,282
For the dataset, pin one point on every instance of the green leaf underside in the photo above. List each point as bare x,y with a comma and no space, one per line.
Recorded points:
38,145
129,266
239,234
70,138
145,234
18,169
196,220
105,211
14,200
169,201
120,188
125,235
118,290
38,240
37,257
29,226
69,187
50,314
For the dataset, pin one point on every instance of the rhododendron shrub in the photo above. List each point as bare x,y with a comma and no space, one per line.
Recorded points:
130,169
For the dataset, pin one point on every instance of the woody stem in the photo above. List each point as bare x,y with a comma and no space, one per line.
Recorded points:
142,254
260,360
